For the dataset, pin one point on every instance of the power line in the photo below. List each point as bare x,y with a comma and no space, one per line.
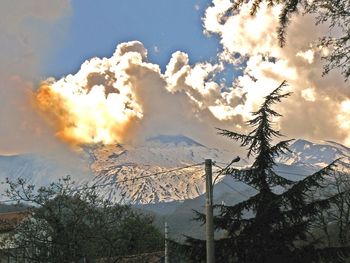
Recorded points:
303,175
218,166
151,175
138,182
229,186
277,171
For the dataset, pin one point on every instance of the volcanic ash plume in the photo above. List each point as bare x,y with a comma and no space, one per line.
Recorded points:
126,98
98,104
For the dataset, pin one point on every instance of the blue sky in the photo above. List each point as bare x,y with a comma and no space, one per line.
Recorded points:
94,28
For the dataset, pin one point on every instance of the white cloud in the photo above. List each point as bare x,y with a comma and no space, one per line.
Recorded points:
307,55
309,94
128,98
344,118
266,64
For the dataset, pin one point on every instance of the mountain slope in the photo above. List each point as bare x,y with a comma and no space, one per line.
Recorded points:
117,169
306,157
150,173
315,154
38,170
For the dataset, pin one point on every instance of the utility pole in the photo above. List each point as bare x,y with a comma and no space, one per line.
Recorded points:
209,212
166,249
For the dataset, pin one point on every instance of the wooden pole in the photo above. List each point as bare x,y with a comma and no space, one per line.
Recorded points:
209,212
166,249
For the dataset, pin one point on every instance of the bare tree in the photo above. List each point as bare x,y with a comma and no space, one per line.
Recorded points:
335,222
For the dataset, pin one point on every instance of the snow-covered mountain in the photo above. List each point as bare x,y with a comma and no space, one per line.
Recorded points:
118,168
316,154
38,169
159,162
150,173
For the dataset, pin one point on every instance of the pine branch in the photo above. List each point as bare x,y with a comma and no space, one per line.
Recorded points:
276,96
246,176
244,139
198,216
296,230
236,211
289,8
274,179
193,249
237,4
304,212
269,156
281,148
299,210
232,226
327,254
255,7
310,181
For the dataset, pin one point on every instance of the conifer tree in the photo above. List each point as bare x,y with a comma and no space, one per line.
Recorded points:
271,226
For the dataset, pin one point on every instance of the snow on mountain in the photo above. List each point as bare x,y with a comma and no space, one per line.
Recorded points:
37,169
315,154
28,166
118,167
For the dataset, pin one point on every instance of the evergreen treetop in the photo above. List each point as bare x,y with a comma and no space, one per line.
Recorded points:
269,226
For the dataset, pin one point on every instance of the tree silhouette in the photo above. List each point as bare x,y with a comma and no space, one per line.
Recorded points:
269,226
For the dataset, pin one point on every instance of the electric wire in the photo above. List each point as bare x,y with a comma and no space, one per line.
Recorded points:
186,167
231,187
277,171
151,175
302,175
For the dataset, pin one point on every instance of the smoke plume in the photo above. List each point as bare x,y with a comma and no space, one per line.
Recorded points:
22,48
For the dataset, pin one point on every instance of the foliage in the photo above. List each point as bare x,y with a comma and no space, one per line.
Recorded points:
67,224
272,226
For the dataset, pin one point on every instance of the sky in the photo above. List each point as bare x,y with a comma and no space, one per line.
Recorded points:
82,71
163,27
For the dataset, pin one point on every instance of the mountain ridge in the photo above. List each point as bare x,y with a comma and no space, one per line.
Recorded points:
117,168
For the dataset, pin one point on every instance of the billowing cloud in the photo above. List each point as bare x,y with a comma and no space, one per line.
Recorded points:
126,98
317,108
